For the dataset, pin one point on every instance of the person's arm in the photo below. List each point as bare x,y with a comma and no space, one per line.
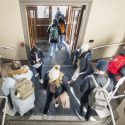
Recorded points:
32,61
48,31
84,86
65,84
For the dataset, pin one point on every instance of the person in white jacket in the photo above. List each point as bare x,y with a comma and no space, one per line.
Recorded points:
17,72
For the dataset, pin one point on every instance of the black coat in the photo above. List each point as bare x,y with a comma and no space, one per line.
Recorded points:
87,85
32,56
64,86
85,61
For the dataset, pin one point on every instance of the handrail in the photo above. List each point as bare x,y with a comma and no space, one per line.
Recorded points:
108,45
4,112
6,47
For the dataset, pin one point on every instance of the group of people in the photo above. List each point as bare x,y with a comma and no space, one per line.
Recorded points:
57,32
55,83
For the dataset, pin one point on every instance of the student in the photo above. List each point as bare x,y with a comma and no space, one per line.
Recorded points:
17,72
59,14
83,58
62,27
87,85
54,33
55,83
116,67
36,57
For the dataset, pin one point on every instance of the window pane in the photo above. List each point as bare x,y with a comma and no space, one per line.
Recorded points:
43,11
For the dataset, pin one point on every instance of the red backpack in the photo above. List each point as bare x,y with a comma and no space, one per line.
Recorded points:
116,64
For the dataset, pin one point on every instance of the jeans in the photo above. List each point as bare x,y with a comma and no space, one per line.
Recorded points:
48,101
62,39
53,47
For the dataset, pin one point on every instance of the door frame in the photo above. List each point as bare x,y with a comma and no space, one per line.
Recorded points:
24,3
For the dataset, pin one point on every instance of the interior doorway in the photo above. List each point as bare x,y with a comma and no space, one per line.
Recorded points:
40,18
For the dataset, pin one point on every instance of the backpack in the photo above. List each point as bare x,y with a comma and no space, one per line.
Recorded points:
98,96
62,27
116,64
24,87
54,32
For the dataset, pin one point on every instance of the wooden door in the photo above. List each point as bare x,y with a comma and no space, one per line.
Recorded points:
31,15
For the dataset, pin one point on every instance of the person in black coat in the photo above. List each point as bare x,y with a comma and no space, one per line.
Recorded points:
82,59
87,85
55,84
36,57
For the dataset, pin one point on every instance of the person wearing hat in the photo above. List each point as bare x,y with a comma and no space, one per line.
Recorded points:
87,85
54,32
36,57
55,83
83,58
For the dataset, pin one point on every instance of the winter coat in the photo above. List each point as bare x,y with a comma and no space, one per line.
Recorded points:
84,61
87,85
58,90
9,82
32,56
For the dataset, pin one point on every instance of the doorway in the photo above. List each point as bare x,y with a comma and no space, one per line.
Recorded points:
72,28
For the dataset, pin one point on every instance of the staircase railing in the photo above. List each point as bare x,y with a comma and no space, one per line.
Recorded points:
4,110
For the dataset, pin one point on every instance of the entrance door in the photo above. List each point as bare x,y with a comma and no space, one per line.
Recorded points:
31,15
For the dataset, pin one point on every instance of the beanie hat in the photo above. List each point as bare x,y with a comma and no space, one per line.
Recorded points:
84,48
54,73
102,65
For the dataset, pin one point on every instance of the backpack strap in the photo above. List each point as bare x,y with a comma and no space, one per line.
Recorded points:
96,84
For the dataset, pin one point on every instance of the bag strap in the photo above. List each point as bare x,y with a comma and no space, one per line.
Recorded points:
87,55
96,84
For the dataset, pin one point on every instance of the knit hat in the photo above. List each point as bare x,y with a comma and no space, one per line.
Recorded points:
54,73
84,48
102,65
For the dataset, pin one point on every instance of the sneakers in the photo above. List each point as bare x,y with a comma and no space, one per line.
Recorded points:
37,74
56,105
41,81
44,117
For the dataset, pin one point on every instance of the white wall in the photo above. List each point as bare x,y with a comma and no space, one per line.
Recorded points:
11,32
106,25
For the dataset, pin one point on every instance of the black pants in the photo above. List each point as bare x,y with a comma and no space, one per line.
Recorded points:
88,114
39,70
48,101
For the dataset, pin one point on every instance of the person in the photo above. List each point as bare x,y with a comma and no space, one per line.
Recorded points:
17,72
36,57
54,33
116,67
59,14
83,58
55,83
87,85
62,27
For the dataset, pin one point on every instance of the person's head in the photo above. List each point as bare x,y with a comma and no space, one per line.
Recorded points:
16,65
35,49
55,22
102,66
58,9
84,48
54,74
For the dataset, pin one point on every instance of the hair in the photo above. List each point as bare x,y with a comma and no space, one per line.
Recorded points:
16,65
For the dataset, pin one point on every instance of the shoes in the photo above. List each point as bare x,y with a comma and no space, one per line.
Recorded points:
37,74
70,82
44,117
41,81
56,105
92,119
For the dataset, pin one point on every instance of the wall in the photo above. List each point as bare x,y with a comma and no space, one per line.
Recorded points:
106,25
11,32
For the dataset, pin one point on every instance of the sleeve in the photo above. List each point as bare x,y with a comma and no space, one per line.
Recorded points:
42,54
84,86
49,29
45,81
31,59
65,84
111,86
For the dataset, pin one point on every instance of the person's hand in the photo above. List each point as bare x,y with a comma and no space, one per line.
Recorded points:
44,92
